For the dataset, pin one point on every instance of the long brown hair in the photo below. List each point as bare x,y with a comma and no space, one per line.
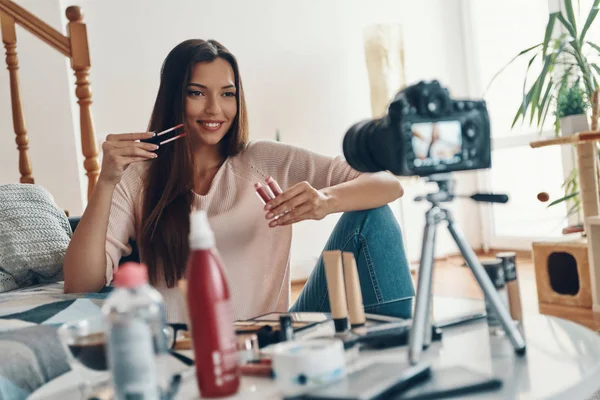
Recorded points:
168,186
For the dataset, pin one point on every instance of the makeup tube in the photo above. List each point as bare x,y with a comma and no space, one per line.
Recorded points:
274,186
335,287
263,193
512,284
356,308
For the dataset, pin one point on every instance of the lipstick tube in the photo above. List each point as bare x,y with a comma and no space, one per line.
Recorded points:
335,288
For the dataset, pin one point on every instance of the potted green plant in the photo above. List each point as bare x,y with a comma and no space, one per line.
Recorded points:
565,58
566,80
571,109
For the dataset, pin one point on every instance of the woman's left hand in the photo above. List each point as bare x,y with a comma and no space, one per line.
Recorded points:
298,203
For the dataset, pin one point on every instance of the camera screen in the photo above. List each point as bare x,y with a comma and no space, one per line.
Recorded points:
436,142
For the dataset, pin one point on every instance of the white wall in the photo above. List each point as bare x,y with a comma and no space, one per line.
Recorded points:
303,70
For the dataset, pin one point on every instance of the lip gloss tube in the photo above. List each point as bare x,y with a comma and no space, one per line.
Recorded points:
274,186
275,189
263,193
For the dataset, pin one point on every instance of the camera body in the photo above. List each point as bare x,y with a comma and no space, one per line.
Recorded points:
425,132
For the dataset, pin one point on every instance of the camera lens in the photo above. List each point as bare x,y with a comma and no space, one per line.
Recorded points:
367,146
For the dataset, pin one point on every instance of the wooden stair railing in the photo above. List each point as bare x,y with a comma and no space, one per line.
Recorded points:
74,46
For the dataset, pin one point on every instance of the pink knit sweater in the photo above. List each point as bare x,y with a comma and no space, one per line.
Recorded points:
256,256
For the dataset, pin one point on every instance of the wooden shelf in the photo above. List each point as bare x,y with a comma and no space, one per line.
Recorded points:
571,139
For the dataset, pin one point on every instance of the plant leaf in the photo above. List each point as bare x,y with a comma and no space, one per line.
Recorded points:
564,198
591,16
545,103
549,29
595,46
571,15
597,69
567,25
546,112
526,99
523,52
574,209
538,85
523,108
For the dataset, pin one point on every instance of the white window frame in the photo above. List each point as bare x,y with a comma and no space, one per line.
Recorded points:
483,177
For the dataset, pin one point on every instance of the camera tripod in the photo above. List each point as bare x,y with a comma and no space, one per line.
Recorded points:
420,333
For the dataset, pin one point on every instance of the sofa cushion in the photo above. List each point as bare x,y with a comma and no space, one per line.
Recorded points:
34,235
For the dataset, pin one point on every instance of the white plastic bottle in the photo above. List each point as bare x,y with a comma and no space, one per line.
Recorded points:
136,345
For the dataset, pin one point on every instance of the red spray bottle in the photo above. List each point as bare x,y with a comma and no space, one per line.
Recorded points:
210,314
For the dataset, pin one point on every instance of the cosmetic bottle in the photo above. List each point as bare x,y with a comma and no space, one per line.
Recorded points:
509,263
210,313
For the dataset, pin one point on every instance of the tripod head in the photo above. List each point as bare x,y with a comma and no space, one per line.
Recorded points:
445,192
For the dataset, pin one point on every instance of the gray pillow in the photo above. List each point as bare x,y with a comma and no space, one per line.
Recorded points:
34,235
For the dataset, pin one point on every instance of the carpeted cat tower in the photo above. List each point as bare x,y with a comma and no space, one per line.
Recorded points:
567,272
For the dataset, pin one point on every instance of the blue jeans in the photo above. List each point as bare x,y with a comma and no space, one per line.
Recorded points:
375,238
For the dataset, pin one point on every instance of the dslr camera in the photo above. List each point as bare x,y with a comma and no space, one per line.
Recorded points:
425,132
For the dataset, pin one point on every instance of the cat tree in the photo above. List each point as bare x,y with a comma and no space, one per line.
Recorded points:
567,272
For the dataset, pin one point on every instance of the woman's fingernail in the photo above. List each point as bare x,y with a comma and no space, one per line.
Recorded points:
154,155
270,215
268,206
156,147
273,224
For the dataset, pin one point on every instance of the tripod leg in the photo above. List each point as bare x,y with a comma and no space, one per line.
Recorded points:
486,285
421,319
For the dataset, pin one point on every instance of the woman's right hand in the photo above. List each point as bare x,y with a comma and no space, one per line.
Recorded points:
121,150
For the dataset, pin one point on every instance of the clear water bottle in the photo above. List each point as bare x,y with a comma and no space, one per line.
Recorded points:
136,343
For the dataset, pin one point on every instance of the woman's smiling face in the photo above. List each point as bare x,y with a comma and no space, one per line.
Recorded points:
211,102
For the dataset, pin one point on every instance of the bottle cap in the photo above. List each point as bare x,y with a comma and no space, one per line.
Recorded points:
130,275
201,235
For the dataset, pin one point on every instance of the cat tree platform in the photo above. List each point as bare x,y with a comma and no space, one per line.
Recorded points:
592,227
568,272
562,273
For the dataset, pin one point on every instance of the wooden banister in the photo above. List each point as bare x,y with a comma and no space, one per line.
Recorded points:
9,38
36,26
80,62
74,46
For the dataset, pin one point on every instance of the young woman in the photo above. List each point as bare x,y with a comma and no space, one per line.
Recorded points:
147,196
